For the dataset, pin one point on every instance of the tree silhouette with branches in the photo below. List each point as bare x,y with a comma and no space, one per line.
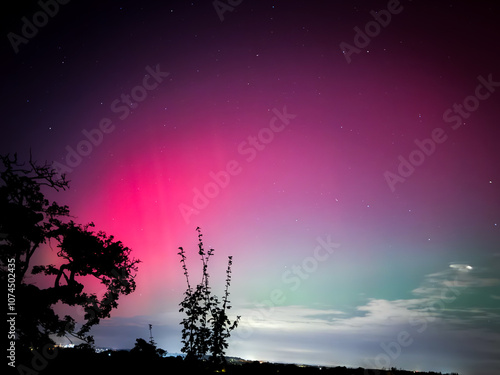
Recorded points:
29,223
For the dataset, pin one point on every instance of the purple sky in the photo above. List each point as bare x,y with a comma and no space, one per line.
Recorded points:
277,130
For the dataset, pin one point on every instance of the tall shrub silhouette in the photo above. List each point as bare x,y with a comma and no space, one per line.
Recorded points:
206,327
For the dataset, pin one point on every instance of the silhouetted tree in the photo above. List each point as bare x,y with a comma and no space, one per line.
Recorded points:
27,222
206,326
147,349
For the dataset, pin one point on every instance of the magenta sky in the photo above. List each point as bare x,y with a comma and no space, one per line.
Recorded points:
314,144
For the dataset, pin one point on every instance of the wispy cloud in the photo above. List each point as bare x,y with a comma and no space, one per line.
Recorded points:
442,301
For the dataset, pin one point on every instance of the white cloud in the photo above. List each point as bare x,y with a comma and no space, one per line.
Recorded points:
440,303
461,267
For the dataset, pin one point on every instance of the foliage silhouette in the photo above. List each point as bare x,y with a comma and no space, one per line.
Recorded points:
27,222
147,349
206,327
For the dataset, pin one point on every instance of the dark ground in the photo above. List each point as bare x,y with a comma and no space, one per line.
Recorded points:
76,362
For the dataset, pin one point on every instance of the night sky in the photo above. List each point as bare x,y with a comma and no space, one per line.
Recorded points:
349,165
